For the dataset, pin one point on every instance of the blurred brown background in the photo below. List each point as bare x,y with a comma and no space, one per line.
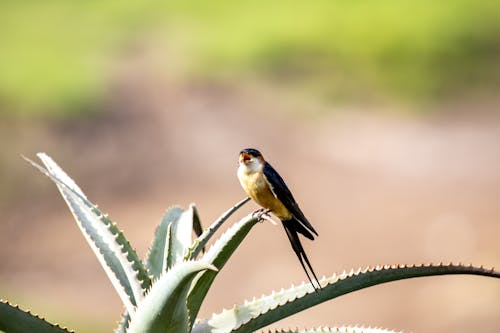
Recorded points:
382,118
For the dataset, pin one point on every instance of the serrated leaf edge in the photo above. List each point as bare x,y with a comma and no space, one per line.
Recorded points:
122,243
304,289
210,257
161,283
200,242
38,317
337,329
154,241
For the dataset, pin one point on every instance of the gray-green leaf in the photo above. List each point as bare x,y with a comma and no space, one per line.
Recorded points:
217,255
164,307
117,257
204,237
343,329
182,231
258,313
15,320
124,323
159,257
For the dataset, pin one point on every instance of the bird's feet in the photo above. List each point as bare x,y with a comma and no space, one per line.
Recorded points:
262,214
259,213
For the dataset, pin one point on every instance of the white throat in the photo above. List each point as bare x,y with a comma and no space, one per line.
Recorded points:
250,167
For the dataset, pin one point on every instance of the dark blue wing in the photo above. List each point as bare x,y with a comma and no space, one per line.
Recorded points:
281,191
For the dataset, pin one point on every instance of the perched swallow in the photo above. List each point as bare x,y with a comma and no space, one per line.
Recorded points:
266,187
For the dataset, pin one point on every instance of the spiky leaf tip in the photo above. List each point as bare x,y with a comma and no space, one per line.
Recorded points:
117,257
200,243
197,226
258,313
159,256
341,329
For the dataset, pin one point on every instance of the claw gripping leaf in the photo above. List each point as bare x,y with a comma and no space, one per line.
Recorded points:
118,258
166,297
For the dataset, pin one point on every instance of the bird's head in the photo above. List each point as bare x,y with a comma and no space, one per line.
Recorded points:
251,159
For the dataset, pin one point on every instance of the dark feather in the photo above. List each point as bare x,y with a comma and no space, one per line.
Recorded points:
281,191
293,237
302,230
251,151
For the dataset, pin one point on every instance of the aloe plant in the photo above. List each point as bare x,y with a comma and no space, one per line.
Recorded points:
164,292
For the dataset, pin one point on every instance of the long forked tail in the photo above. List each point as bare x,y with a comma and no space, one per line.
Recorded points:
291,232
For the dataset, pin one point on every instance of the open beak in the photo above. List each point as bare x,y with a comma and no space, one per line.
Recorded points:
244,157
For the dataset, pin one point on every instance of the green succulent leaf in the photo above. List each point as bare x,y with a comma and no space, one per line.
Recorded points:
164,307
15,320
203,238
217,255
182,230
197,227
258,313
343,329
116,255
124,323
159,258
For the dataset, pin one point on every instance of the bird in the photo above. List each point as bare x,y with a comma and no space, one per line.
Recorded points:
264,185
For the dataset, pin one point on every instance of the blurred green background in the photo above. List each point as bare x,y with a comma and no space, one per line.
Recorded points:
58,56
382,116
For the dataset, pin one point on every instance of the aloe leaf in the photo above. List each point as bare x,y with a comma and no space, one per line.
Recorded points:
160,255
343,329
124,323
258,313
197,227
118,258
157,259
164,307
200,243
15,320
217,255
182,230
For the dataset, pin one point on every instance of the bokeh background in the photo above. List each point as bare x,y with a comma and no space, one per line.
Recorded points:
381,115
